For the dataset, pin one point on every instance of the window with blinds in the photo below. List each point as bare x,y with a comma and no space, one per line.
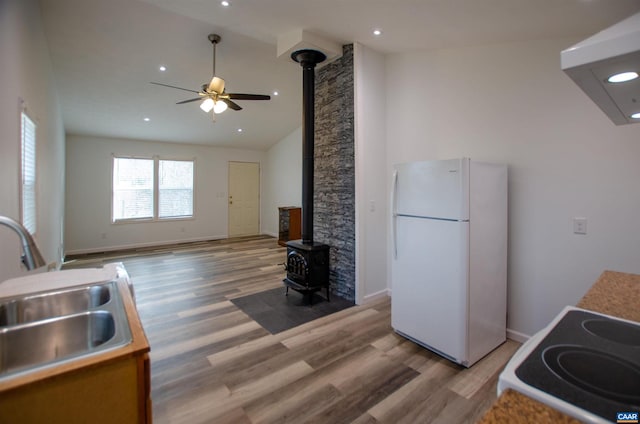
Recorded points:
147,189
132,188
28,174
175,188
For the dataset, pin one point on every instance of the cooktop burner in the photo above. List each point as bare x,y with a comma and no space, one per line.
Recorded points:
583,363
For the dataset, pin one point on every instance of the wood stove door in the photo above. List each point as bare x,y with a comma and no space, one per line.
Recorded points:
244,198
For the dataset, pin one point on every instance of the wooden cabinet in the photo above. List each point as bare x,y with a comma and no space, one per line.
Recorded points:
289,218
105,393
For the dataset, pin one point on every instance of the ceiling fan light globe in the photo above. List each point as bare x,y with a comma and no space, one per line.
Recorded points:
219,107
207,105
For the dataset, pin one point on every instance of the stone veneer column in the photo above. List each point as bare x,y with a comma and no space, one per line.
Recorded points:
334,188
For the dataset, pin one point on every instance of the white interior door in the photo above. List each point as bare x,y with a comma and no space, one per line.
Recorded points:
429,283
244,198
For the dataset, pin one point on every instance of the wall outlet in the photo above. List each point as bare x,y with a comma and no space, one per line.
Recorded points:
579,225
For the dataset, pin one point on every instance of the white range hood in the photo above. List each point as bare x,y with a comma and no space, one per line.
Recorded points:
591,62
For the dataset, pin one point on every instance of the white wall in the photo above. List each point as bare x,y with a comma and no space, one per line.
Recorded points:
371,190
511,103
88,215
282,179
25,73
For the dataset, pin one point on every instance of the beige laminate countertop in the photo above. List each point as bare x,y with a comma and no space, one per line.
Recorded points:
614,293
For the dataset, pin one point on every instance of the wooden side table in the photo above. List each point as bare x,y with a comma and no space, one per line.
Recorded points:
289,218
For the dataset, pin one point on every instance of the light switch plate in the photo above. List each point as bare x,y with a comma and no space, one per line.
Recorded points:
579,225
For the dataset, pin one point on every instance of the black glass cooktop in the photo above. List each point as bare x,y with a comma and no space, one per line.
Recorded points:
590,361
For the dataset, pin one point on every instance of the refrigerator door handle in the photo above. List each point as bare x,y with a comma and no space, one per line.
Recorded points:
394,214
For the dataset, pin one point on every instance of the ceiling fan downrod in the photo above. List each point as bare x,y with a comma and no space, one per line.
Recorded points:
215,39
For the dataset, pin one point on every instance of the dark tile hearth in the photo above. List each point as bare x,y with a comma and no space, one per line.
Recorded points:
276,312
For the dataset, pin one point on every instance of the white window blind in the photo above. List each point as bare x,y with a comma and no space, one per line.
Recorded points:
28,172
175,188
132,188
136,186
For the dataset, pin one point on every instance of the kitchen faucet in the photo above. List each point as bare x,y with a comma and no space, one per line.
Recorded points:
32,258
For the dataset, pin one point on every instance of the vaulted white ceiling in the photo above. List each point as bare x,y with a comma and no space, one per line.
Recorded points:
105,53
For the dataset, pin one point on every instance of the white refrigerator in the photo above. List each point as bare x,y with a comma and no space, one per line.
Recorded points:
449,256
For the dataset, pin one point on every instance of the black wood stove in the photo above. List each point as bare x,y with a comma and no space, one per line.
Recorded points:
307,261
307,267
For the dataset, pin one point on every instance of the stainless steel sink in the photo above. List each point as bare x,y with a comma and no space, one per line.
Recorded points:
44,329
55,304
47,341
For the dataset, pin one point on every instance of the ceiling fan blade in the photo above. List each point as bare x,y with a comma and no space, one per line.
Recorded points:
217,85
173,86
190,100
231,104
240,96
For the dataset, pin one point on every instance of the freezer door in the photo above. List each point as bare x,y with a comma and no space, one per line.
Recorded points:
435,189
429,292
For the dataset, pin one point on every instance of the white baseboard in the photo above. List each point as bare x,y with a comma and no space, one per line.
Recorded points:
269,233
375,296
517,336
141,245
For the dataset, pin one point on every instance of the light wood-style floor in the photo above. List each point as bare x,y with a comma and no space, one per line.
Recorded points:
211,363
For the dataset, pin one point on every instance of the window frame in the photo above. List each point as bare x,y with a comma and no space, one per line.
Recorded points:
156,190
33,212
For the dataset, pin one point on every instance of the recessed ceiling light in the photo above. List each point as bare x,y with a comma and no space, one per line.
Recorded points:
225,3
163,68
275,93
377,32
636,115
239,129
623,77
147,119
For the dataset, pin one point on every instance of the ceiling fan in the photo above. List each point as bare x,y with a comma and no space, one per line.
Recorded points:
214,98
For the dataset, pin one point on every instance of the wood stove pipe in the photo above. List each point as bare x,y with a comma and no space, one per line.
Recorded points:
308,60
